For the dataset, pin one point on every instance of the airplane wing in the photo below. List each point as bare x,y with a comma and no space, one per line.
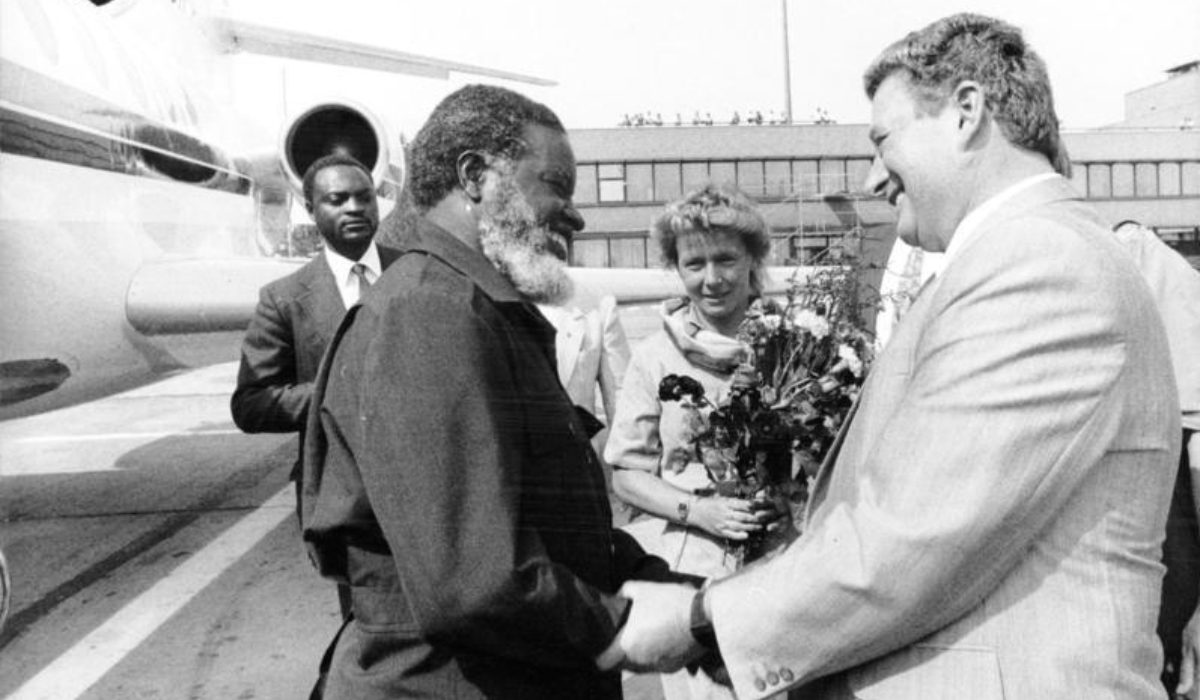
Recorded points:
234,35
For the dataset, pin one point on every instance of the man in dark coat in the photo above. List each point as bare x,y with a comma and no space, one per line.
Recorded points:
297,315
447,476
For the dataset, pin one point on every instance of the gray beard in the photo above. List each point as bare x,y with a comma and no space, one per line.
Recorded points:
516,246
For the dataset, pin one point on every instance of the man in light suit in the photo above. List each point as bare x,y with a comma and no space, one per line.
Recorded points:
990,523
591,352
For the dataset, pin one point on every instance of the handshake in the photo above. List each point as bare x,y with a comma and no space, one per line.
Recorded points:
667,628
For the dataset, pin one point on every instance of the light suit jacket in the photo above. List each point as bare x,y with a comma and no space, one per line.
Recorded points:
992,522
591,349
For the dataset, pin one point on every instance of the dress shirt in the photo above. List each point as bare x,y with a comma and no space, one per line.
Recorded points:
347,281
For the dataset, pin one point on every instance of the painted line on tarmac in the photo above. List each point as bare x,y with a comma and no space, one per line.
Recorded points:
127,436
81,666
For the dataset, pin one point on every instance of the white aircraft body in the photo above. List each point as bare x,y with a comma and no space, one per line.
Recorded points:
134,242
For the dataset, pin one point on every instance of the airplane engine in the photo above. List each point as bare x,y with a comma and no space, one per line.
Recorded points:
339,127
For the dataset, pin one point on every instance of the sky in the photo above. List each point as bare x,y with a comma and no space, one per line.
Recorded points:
617,57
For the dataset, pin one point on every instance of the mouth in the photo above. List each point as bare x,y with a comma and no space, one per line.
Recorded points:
556,244
356,227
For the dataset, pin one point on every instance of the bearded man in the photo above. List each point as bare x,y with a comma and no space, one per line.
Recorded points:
447,477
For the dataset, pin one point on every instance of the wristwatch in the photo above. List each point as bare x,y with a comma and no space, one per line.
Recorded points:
685,509
701,626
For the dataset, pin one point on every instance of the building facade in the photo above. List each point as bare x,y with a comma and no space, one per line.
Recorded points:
808,180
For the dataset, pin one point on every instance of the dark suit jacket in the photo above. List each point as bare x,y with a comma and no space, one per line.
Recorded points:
449,480
296,318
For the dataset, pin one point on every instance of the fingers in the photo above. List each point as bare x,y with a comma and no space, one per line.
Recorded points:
1187,673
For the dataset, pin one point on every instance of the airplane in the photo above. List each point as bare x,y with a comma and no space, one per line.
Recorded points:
134,240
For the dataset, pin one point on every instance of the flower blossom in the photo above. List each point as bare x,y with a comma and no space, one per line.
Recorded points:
850,356
811,322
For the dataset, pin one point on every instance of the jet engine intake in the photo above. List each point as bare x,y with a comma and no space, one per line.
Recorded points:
335,127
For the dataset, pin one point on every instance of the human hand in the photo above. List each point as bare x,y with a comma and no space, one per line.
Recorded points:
731,518
657,635
1190,659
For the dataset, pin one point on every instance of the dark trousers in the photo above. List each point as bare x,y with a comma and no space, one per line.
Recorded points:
1181,555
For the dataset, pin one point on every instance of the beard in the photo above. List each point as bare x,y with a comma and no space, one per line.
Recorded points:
520,249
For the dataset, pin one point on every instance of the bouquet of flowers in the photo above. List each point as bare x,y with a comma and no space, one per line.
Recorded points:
806,361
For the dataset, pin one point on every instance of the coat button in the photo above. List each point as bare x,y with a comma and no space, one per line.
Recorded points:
759,684
773,678
786,674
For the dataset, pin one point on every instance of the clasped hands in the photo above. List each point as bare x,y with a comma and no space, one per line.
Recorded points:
657,634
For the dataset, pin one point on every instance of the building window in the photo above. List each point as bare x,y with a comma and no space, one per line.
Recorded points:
1122,179
694,176
667,177
857,171
722,173
833,175
639,183
1191,178
612,182
804,177
750,178
1168,179
1145,180
777,176
585,184
1099,181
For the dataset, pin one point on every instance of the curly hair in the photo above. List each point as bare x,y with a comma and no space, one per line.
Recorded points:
991,52
714,208
481,118
310,175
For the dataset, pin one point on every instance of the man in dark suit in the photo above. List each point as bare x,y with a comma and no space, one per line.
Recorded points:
298,314
447,476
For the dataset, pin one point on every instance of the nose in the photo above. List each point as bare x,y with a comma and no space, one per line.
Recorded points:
877,178
712,276
572,218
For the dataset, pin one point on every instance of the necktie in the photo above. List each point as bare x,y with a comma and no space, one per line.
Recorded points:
360,271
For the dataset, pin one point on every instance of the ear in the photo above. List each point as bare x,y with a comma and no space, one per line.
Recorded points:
471,167
971,108
308,207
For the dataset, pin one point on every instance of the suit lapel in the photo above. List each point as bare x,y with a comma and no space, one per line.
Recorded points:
323,303
569,340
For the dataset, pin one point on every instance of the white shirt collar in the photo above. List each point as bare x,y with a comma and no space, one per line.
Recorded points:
969,226
347,282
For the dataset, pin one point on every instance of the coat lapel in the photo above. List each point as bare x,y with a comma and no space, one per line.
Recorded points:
570,337
323,303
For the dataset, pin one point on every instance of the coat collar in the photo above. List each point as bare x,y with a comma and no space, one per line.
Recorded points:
428,237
